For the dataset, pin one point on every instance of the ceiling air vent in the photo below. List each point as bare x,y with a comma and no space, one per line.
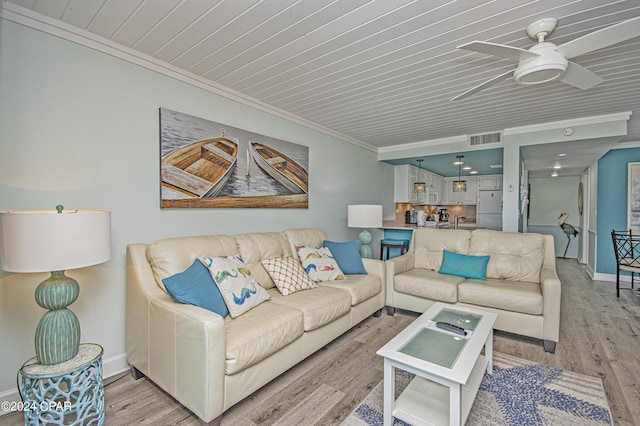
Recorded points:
485,138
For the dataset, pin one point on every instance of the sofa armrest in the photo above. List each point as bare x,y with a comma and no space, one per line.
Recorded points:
551,296
395,266
179,347
375,267
378,268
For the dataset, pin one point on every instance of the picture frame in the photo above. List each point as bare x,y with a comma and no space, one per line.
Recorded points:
206,164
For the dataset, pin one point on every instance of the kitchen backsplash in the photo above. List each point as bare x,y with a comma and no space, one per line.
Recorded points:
465,213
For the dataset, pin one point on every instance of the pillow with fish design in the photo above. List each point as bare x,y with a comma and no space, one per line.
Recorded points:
319,264
239,289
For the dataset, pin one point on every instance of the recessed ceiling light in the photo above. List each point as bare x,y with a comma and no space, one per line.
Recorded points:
562,155
557,166
554,174
473,172
458,162
495,166
466,168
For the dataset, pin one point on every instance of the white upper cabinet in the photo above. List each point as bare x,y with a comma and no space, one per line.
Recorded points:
469,196
490,182
439,190
405,177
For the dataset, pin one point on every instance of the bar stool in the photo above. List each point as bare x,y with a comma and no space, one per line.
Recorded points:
389,243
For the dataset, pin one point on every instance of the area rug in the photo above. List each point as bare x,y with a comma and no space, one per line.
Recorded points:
519,392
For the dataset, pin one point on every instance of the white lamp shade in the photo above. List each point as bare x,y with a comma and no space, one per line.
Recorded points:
364,216
45,241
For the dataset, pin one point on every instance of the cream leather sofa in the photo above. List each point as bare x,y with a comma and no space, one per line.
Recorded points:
522,285
209,363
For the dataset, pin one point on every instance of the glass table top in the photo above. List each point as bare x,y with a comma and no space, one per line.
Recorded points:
466,320
437,346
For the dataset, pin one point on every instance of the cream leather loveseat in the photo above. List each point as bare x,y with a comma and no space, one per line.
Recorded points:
209,363
521,284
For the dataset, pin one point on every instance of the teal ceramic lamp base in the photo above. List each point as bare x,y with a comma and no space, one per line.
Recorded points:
58,333
365,250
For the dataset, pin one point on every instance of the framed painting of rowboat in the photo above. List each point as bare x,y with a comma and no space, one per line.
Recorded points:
205,164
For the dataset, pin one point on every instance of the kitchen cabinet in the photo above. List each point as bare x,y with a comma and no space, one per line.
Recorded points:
405,177
490,182
461,197
470,196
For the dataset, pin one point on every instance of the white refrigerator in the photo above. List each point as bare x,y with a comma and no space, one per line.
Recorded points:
489,210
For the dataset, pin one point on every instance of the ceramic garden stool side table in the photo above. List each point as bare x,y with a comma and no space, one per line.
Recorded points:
69,393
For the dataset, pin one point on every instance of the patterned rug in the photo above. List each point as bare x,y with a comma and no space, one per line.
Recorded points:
519,392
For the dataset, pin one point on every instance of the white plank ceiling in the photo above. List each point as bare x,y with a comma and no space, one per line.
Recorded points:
377,71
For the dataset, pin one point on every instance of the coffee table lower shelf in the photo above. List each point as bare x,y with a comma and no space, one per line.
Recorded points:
425,402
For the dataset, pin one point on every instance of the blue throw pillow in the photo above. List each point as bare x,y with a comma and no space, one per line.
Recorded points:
347,254
196,287
463,265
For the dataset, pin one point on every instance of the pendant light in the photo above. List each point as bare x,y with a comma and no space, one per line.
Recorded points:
459,185
419,186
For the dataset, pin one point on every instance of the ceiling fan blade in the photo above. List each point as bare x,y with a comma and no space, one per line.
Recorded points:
501,50
487,83
602,38
580,77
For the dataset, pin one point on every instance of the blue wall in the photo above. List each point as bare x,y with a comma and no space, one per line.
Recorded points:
612,203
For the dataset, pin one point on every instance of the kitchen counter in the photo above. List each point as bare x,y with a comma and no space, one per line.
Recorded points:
392,224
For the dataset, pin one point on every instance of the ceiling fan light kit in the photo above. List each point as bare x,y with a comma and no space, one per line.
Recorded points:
545,62
549,66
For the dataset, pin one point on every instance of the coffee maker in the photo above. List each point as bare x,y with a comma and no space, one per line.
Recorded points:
443,215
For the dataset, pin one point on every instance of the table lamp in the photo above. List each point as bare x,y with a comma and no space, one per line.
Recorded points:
54,241
364,216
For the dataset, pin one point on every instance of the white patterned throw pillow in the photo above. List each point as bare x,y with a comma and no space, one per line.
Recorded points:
288,275
239,289
319,263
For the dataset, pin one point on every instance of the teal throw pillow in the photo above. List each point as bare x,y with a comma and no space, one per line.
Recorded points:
464,265
196,287
347,254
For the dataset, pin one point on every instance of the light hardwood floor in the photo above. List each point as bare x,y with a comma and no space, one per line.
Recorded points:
598,337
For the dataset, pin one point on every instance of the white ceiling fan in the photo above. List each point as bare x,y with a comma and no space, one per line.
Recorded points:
544,61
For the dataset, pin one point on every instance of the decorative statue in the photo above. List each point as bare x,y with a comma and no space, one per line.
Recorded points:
568,229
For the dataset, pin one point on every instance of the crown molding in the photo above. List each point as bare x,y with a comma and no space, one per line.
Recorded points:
423,144
57,28
582,121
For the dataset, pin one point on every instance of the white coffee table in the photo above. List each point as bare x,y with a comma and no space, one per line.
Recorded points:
448,368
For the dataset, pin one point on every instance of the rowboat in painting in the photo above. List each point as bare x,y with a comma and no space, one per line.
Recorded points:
198,170
280,167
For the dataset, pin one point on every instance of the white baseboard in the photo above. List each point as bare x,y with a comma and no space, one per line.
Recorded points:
110,367
598,276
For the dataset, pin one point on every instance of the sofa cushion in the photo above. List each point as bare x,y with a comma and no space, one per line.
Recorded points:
195,286
254,247
428,284
359,287
288,275
464,265
429,244
259,333
514,256
310,237
173,255
319,264
524,297
319,306
239,289
347,254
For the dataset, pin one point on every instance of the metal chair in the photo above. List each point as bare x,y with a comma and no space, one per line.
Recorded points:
627,250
